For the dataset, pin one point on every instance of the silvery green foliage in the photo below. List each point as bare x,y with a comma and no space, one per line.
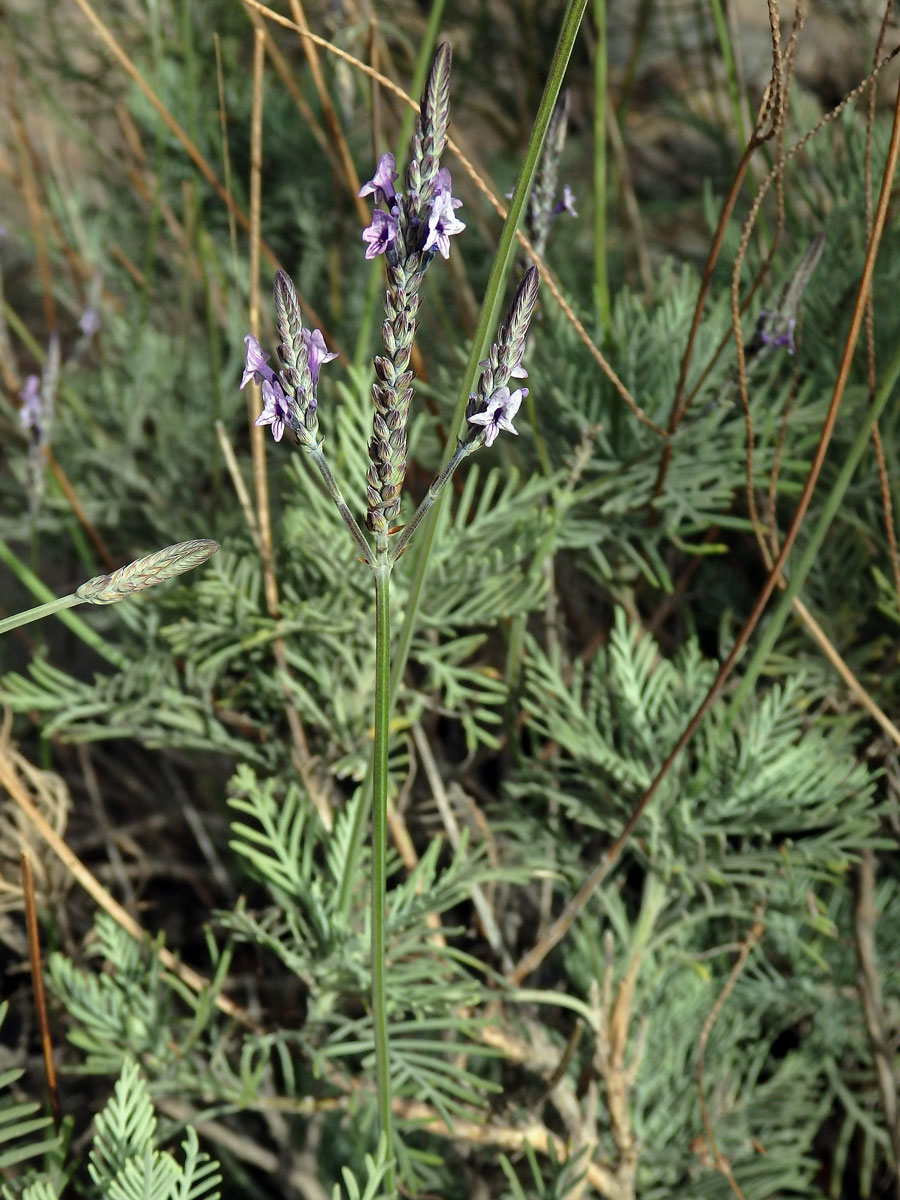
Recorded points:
125,1160
25,1132
375,1170
789,1051
303,928
770,818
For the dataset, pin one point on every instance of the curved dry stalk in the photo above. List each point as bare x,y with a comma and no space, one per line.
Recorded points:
195,981
504,1137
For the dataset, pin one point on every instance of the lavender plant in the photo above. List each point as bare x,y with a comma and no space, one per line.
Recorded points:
409,230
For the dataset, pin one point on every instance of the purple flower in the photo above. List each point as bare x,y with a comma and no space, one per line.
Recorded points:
275,408
89,322
501,408
567,204
784,338
256,367
318,354
442,224
30,412
381,185
381,233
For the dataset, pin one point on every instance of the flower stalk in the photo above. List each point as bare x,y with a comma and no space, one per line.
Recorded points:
108,589
382,575
409,229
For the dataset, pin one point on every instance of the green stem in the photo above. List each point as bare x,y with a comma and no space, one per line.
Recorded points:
54,604
801,568
35,614
601,268
490,312
463,450
382,573
336,495
731,72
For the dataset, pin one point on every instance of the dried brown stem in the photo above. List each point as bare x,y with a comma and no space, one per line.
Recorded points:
37,979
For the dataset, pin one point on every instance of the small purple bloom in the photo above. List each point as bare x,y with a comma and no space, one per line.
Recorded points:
256,366
89,322
785,338
567,204
318,354
442,223
381,185
275,408
443,186
30,412
501,408
381,233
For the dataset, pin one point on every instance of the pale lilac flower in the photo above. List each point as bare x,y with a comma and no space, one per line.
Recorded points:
381,185
501,408
275,411
89,322
442,223
443,186
30,412
567,204
256,366
318,354
381,233
784,325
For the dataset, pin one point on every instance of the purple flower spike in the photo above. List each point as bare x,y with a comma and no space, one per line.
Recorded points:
256,367
381,185
30,412
318,353
381,233
275,411
442,223
501,409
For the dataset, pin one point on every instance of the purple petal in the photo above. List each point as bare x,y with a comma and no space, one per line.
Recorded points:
318,353
256,367
381,185
381,233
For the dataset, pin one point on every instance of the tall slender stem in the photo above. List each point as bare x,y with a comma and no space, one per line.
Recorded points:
490,312
601,182
35,614
382,573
